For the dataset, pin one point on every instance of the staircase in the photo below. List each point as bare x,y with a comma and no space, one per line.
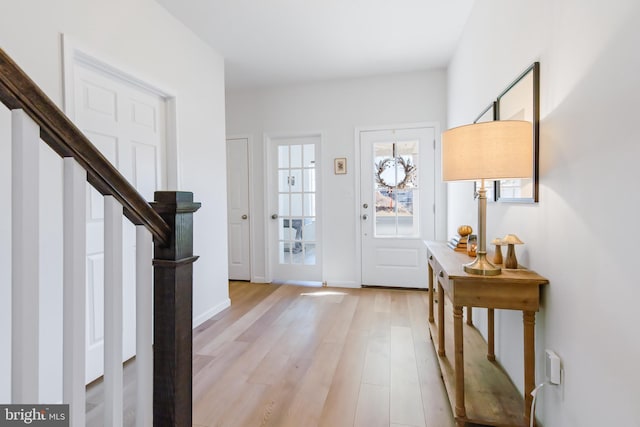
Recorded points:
164,263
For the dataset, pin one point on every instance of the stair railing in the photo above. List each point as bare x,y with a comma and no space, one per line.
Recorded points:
164,365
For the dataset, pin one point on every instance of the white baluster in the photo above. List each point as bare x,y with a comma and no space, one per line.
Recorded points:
74,294
112,312
144,351
25,262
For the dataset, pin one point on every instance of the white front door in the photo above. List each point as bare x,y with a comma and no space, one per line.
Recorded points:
238,208
397,205
294,208
127,125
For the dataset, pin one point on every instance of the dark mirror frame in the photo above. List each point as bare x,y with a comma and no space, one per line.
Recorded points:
534,103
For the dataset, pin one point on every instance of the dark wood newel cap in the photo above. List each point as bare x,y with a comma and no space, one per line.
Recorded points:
174,202
176,208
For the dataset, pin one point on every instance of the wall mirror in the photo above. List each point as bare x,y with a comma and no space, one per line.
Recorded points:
521,101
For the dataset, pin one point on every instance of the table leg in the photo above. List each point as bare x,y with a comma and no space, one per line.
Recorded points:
529,321
441,351
459,361
470,316
491,353
431,293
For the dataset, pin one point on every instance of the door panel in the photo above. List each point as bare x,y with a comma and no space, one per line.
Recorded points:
397,195
126,124
238,209
95,272
294,233
145,170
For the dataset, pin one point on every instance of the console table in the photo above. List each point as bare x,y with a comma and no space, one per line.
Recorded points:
486,395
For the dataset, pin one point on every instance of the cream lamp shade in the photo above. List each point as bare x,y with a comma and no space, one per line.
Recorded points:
491,150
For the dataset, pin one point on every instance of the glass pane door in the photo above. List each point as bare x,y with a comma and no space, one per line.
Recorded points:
297,204
397,195
297,235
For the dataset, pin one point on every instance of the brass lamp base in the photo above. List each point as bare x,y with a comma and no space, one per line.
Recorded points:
482,266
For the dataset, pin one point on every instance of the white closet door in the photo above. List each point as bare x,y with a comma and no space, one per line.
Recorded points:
127,124
238,209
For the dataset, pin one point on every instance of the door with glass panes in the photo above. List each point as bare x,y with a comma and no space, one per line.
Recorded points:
294,230
397,205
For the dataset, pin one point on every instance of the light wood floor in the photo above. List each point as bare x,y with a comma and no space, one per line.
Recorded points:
286,355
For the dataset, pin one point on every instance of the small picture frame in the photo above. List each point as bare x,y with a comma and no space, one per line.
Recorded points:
340,165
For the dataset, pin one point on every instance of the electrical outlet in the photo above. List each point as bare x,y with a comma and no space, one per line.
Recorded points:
552,367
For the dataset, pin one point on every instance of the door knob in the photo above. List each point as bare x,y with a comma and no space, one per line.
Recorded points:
274,216
365,217
366,205
244,216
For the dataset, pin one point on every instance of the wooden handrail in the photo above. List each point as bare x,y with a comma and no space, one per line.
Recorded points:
18,91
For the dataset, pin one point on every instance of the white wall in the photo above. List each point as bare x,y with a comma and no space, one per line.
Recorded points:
334,108
581,234
143,38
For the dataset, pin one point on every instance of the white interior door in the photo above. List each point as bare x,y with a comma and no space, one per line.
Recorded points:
127,125
238,208
294,208
397,205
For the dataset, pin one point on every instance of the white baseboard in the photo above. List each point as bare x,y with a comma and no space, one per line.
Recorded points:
211,312
259,279
343,284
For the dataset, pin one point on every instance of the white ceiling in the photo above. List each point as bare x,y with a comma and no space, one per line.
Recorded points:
272,42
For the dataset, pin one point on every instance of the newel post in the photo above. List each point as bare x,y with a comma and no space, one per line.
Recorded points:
173,306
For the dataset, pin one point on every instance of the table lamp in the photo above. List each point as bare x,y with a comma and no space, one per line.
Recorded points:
495,150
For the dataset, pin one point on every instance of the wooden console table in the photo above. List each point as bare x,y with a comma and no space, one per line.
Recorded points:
486,396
